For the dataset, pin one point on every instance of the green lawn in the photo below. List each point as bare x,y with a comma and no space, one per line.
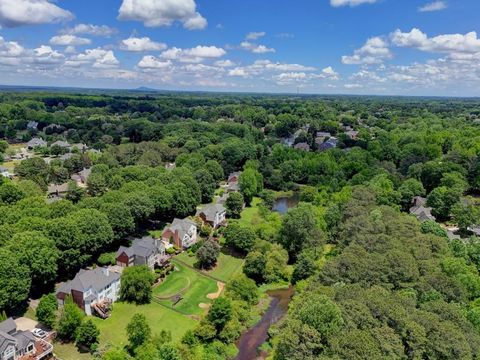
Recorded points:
227,265
69,352
251,215
194,289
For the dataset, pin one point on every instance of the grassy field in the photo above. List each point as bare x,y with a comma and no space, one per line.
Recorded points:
69,352
193,286
227,266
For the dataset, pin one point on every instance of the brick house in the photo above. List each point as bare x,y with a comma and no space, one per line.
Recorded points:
145,251
90,288
182,233
213,214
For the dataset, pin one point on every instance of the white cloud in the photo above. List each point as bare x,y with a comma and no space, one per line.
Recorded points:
255,35
31,12
46,55
433,6
241,72
10,49
99,58
328,72
353,86
255,48
141,44
448,43
193,55
155,13
69,40
151,62
375,51
224,63
338,3
89,29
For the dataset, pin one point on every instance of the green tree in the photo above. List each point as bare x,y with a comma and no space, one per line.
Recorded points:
136,284
70,319
242,288
207,184
96,184
47,310
87,335
408,190
39,254
138,331
240,237
15,281
300,230
251,184
442,200
207,254
220,313
234,205
465,215
305,266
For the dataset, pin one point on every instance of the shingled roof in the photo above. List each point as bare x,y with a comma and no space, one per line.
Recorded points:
97,279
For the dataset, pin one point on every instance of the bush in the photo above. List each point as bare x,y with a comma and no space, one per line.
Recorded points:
107,259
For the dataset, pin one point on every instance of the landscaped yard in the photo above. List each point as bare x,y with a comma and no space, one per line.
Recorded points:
227,265
251,215
192,286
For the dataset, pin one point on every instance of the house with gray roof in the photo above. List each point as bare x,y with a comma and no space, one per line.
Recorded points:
181,232
62,144
232,182
81,177
5,172
90,289
36,142
213,214
56,192
302,146
331,143
32,125
18,344
145,251
420,209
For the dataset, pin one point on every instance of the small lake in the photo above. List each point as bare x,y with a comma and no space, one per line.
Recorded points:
282,204
251,340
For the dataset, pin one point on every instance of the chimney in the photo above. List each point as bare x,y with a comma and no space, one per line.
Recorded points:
106,271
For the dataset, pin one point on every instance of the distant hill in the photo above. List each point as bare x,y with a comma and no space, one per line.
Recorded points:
144,88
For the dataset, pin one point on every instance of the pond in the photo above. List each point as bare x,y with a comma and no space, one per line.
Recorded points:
282,204
251,340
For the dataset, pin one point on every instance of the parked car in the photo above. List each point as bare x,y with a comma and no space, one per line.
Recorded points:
39,333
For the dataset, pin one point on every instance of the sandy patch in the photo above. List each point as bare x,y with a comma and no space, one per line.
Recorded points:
215,295
204,306
25,324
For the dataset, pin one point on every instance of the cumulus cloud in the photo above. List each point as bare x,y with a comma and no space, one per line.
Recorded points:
89,29
255,48
224,63
255,35
154,13
10,49
141,44
447,43
46,55
433,6
193,55
31,12
375,51
151,62
69,40
98,58
338,3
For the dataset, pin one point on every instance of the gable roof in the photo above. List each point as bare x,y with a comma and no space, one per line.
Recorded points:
53,188
36,142
8,326
233,175
143,247
5,341
61,143
211,210
97,279
181,225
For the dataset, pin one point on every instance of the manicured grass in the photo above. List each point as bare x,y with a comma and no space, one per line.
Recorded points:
69,352
227,265
251,215
10,165
113,329
196,291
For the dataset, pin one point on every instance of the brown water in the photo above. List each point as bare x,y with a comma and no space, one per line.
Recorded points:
251,340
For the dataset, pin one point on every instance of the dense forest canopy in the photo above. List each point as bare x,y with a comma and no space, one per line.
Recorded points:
390,287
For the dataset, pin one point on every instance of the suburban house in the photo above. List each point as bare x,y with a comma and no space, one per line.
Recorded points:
232,182
213,214
62,144
91,290
55,192
36,142
4,172
145,251
420,210
182,233
32,125
321,137
21,345
80,147
66,156
331,143
302,146
81,177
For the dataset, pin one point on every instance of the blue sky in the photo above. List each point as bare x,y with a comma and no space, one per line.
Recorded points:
385,47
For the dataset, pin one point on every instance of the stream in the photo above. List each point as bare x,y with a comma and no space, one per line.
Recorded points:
251,340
